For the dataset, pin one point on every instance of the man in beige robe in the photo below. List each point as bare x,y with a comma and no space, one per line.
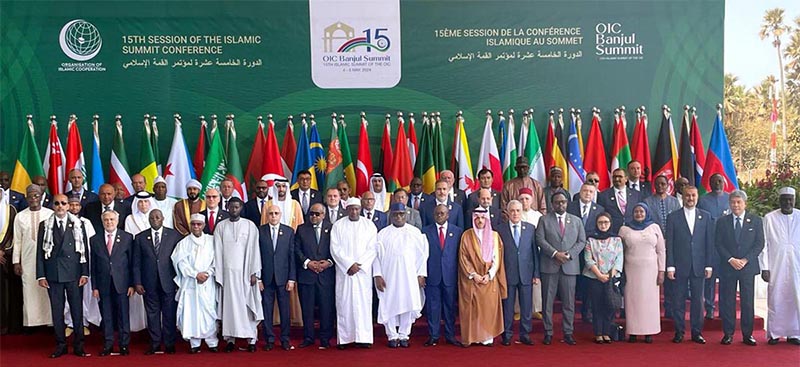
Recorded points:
186,207
36,302
512,186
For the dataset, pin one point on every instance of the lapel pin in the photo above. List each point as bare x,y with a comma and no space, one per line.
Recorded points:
699,217
148,237
118,239
567,221
523,227
747,220
280,233
326,231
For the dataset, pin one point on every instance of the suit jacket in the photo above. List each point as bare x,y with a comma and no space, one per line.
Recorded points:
151,268
442,263
307,248
608,200
86,197
689,252
48,201
459,196
521,262
17,200
314,198
456,213
645,188
472,202
423,198
341,214
413,218
747,246
550,240
220,215
379,218
64,264
112,273
252,210
495,216
94,210
590,226
278,263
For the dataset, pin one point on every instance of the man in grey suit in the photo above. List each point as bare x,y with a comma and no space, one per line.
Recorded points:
561,237
521,261
412,215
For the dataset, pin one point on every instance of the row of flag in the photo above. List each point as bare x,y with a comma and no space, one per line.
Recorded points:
216,156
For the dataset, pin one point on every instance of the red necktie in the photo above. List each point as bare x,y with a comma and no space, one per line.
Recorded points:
416,202
211,221
441,237
561,225
110,243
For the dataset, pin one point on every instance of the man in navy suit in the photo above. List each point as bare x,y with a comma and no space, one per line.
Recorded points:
442,282
739,238
415,196
521,261
153,277
689,239
17,199
76,179
112,262
377,217
278,276
316,276
213,211
456,216
485,178
485,201
94,210
333,208
304,194
636,181
619,200
47,199
253,207
62,267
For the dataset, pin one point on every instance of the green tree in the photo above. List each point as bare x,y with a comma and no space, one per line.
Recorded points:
773,28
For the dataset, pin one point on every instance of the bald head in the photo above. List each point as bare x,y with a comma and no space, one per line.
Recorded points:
274,215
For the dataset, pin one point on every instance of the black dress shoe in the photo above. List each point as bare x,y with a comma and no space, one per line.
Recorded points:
569,339
230,347
431,342
773,341
726,340
750,340
123,351
547,339
151,351
632,339
106,352
213,349
506,341
363,345
455,342
59,352
170,349
678,338
194,350
526,341
251,348
404,343
699,339
324,345
268,346
80,353
393,343
793,341
648,339
306,343
341,346
286,346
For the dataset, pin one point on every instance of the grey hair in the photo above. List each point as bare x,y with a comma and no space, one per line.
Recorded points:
513,202
738,194
110,212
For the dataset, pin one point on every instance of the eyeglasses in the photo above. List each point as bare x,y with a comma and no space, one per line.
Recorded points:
315,214
212,196
59,203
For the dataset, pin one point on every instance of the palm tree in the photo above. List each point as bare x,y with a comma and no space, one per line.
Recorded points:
773,27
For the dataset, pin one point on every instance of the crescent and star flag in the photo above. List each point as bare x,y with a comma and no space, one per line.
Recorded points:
53,164
596,160
179,170
119,171
74,153
719,158
364,164
255,162
489,157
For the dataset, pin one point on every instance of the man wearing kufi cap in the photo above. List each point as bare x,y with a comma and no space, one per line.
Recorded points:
186,207
163,202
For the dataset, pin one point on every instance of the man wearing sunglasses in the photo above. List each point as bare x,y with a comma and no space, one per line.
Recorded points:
252,210
316,276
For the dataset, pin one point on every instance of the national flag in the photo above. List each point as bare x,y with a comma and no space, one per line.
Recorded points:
334,170
697,150
97,178
533,151
489,157
596,160
403,173
580,131
559,148
501,135
686,163
576,172
364,165
234,165
425,169
255,162
386,157
317,154
179,169
620,149
665,161
509,150
28,164
289,147
199,159
119,170
640,145
549,143
523,133
53,163
347,157
302,158
216,165
413,147
154,144
74,153
148,161
719,158
272,161
438,144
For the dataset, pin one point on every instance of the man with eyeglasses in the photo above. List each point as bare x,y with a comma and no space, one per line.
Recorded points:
619,200
91,309
253,207
316,276
193,204
304,194
93,211
213,212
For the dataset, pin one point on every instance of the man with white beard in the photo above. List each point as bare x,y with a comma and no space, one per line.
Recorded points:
197,307
353,251
400,269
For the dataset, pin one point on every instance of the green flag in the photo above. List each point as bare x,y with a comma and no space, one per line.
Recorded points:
533,151
234,167
334,171
347,158
425,168
438,145
216,167
29,164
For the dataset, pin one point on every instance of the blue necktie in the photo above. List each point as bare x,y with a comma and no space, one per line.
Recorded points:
516,234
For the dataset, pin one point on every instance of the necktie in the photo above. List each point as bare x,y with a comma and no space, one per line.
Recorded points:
261,208
585,213
305,202
441,237
737,227
316,232
516,234
622,202
108,207
663,210
226,204
561,225
369,215
157,242
416,202
109,243
61,228
211,221
274,238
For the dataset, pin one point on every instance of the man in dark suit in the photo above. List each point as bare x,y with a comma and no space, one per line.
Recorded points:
485,178
153,277
456,216
278,276
253,207
16,199
76,179
584,208
739,239
485,201
139,183
555,183
304,194
316,276
561,237
94,210
636,181
441,285
454,193
377,217
689,239
333,207
213,212
521,262
62,266
47,199
619,200
415,195
112,262
716,204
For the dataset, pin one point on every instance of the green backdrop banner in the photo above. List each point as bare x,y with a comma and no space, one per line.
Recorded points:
286,57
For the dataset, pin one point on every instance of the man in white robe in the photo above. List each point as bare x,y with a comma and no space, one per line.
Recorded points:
780,267
139,221
400,269
193,259
35,301
163,202
353,251
377,186
238,266
91,306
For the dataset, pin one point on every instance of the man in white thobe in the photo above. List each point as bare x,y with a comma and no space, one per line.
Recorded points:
163,202
238,266
353,251
193,259
780,267
400,269
35,301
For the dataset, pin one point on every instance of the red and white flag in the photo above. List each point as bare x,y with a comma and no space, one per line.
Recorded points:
272,163
413,147
54,161
75,158
489,157
364,163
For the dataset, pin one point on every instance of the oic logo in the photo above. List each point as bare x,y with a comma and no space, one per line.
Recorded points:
80,40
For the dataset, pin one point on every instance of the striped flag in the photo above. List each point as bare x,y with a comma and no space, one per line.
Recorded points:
119,171
347,157
53,163
425,169
413,147
97,178
364,166
148,160
234,166
533,152
302,158
179,169
438,145
620,149
461,164
318,161
576,172
74,153
686,163
665,161
289,147
28,164
334,170
719,159
489,157
510,150
697,149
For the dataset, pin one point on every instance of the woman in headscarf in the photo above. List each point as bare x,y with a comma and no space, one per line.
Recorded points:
645,258
603,255
481,281
139,220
